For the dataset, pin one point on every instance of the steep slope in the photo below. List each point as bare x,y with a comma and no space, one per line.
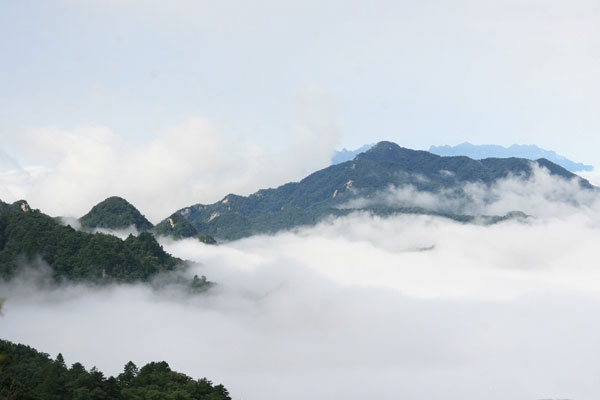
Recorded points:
28,236
177,227
530,152
19,205
324,192
115,213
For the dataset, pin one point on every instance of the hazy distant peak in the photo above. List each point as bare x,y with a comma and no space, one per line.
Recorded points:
347,155
530,152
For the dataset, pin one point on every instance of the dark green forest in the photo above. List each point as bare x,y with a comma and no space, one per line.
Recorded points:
27,374
29,237
115,213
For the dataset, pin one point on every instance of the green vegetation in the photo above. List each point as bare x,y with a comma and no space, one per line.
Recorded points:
178,227
26,237
115,213
325,192
26,374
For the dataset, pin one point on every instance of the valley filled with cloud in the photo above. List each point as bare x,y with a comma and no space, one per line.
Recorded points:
406,306
168,191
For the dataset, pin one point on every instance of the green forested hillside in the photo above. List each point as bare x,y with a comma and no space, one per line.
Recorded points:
115,213
325,192
177,227
29,236
26,374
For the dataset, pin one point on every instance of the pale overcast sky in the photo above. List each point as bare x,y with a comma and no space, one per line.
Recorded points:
267,73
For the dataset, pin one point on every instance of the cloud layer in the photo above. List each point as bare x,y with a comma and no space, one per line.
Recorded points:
400,307
539,195
186,164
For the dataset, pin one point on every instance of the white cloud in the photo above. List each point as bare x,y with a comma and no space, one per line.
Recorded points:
187,164
401,307
540,195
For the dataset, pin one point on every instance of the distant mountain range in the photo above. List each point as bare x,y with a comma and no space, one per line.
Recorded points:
325,192
530,152
347,155
29,235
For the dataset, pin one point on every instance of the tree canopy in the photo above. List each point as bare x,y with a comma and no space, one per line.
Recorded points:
28,237
27,374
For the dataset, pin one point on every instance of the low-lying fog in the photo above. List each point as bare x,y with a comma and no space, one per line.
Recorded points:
406,307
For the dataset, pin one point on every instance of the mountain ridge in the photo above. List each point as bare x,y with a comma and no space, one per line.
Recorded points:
323,192
531,152
116,213
30,237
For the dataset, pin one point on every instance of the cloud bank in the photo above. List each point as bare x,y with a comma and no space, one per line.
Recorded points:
358,307
186,164
539,195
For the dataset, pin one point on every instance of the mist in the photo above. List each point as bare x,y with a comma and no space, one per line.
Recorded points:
411,307
193,161
539,194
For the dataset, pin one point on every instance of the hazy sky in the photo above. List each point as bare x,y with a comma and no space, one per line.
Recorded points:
418,73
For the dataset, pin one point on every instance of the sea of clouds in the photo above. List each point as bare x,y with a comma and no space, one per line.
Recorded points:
407,306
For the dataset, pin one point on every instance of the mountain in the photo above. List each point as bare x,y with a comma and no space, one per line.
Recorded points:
19,205
347,155
530,152
325,192
115,213
28,236
28,374
177,227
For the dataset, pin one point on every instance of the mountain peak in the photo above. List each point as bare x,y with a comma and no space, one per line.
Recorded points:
19,205
115,213
391,152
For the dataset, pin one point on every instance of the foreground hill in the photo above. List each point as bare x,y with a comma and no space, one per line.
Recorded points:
27,374
530,152
28,236
326,192
115,213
